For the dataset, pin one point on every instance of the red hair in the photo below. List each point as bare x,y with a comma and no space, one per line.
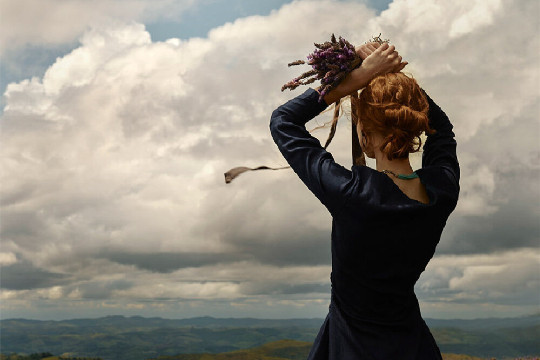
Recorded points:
395,106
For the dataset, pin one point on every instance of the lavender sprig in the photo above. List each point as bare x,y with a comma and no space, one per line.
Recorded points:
330,62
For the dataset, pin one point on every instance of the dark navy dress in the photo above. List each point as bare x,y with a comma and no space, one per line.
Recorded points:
381,239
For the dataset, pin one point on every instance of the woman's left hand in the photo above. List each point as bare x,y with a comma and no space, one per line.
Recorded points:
383,60
367,49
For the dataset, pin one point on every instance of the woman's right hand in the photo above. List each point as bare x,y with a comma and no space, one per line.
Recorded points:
382,60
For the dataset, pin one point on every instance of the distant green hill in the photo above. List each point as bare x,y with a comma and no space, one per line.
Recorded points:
496,342
138,338
277,350
121,338
460,357
43,356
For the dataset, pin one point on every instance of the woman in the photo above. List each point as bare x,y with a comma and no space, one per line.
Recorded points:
386,222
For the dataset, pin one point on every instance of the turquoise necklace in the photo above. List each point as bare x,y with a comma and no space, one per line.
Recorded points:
402,176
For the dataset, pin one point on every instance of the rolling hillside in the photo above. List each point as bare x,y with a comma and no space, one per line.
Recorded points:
137,338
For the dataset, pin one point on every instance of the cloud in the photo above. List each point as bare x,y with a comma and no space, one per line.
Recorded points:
477,16
23,275
53,22
513,225
113,161
142,134
101,289
498,208
509,278
7,258
168,262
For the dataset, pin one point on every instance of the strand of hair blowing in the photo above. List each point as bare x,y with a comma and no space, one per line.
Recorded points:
394,106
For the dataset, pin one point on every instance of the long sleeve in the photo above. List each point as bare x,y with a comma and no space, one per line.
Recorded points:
314,165
440,147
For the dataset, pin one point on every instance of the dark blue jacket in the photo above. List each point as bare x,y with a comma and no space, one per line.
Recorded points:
381,239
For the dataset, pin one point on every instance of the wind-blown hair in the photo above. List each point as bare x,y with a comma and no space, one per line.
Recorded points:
395,106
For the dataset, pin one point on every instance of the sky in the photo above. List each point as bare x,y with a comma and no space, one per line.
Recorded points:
119,118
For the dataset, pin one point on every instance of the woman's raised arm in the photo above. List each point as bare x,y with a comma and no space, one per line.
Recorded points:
315,166
440,147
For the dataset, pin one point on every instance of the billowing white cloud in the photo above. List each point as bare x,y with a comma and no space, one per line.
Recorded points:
112,163
504,280
50,22
7,258
475,17
478,186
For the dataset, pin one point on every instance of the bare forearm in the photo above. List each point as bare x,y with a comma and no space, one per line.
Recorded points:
355,81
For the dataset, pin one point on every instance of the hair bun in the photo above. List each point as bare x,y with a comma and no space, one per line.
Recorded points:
394,105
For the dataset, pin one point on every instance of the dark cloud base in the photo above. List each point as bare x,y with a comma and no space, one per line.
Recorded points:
25,276
168,262
514,224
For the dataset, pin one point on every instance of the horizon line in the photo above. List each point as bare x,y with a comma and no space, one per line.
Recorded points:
253,318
